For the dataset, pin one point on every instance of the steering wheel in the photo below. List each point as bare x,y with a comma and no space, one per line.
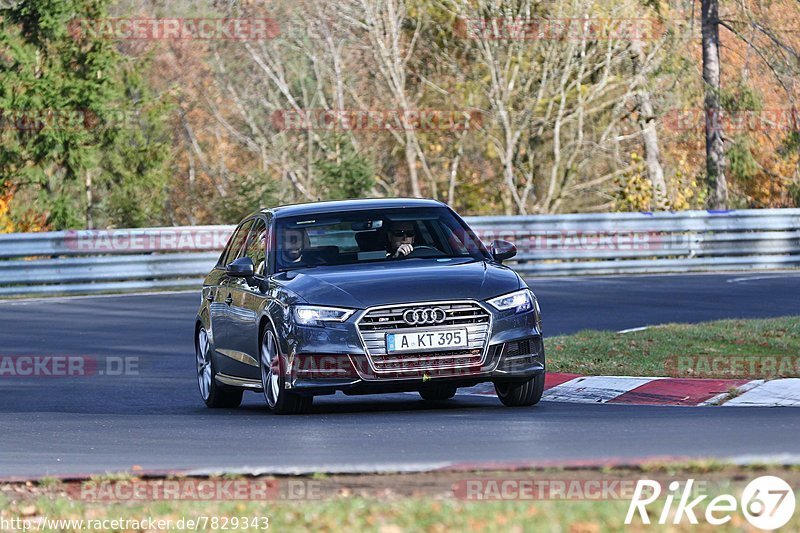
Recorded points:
425,251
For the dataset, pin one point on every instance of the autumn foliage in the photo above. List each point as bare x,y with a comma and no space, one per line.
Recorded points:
584,119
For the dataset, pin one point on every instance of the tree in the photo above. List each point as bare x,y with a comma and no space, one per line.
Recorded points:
647,123
71,104
715,145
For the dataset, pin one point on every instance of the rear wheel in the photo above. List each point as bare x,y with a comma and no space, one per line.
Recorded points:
521,394
279,400
214,394
437,393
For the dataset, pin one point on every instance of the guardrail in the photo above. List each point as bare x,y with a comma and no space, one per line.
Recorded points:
620,243
614,243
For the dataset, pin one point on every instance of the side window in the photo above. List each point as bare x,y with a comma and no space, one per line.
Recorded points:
256,246
237,243
453,241
221,262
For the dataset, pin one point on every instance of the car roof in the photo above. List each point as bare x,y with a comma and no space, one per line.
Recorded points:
315,208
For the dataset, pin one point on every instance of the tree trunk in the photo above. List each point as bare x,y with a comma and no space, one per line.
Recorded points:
89,200
647,119
715,149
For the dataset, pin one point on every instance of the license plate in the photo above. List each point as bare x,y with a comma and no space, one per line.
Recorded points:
425,340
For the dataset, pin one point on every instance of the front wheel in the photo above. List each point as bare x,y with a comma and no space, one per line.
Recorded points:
521,394
214,394
279,400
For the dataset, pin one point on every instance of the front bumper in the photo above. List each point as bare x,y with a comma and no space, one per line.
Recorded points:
323,360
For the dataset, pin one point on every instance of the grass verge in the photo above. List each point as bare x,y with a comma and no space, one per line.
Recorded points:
753,349
412,502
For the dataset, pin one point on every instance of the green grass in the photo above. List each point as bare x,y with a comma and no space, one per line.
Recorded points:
765,349
359,514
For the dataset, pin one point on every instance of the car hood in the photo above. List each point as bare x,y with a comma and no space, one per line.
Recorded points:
408,280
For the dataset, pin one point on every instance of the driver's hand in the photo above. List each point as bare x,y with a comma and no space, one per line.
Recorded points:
403,250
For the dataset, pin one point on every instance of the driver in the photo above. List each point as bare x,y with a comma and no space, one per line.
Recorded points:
294,240
400,237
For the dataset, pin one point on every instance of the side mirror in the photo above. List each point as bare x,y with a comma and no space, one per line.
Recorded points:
502,250
241,268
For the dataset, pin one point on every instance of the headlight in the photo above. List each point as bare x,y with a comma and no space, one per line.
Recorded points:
311,315
520,300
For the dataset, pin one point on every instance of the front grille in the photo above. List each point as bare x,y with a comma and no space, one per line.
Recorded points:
376,323
392,318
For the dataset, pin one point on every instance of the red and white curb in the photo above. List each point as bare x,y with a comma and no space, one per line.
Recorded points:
662,391
776,392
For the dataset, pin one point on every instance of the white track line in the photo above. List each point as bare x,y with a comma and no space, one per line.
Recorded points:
758,278
633,329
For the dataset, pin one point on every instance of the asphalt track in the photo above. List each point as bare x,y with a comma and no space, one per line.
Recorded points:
155,419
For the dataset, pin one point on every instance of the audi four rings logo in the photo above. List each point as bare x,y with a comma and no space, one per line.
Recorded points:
429,315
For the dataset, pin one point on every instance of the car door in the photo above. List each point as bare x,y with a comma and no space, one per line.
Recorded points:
215,289
221,312
247,295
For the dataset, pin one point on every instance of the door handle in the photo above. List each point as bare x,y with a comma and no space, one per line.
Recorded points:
229,300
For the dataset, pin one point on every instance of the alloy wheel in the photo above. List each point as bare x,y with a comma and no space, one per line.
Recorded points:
203,363
270,369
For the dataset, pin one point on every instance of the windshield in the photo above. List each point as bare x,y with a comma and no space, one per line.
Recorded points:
373,236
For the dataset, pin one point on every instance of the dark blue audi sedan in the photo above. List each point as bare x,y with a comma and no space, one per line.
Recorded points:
365,296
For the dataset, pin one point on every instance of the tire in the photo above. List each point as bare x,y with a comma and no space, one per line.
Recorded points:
279,400
214,394
437,393
522,394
